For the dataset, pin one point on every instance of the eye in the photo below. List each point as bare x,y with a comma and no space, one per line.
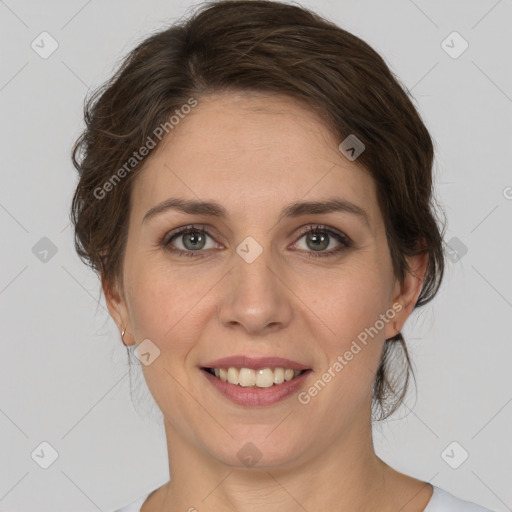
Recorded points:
191,238
319,238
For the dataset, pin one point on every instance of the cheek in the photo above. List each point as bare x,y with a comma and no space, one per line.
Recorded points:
350,300
165,308
359,314
166,303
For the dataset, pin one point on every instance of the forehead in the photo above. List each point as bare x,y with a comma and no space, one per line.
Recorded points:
247,150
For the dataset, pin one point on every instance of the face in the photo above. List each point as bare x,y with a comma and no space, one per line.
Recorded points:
253,285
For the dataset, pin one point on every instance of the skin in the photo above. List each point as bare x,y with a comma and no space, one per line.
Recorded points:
255,154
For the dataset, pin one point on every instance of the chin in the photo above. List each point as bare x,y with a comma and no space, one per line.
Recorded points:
258,450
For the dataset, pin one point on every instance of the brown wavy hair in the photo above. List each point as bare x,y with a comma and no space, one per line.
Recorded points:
263,45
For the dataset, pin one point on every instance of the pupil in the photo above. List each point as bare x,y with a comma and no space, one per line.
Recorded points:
316,236
194,236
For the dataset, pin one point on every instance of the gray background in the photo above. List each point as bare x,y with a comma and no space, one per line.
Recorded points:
64,373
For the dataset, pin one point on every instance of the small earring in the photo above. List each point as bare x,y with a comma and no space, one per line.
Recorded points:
122,337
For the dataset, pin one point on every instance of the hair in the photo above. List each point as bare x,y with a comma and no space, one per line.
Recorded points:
272,47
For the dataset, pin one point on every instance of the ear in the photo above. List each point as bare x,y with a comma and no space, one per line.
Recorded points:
116,304
406,294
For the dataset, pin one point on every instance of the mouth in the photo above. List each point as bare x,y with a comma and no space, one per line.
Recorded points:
255,378
255,382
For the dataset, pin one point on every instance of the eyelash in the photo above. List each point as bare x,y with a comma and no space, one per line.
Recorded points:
343,239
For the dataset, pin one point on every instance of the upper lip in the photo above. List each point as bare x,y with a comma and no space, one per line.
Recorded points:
255,363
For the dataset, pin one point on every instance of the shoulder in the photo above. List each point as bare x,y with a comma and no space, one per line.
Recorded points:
443,501
135,506
148,500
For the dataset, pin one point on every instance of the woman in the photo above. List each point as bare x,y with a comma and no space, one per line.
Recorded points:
256,196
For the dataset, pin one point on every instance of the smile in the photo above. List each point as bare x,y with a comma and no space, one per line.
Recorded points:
258,381
249,377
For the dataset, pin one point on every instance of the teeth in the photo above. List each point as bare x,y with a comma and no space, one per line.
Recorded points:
233,375
278,376
262,378
246,377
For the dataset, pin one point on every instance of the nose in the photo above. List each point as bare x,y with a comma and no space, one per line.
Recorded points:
256,296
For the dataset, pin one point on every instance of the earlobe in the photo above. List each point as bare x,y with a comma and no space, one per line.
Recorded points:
394,327
116,306
407,293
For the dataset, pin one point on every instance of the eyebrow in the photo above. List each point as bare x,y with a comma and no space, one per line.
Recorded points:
296,209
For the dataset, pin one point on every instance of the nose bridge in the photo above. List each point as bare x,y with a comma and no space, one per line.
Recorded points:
255,297
252,275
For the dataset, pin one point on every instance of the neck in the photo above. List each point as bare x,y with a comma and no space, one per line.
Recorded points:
347,475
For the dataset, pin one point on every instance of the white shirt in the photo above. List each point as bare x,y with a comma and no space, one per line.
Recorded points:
441,501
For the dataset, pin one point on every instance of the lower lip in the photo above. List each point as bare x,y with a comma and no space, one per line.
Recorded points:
257,397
